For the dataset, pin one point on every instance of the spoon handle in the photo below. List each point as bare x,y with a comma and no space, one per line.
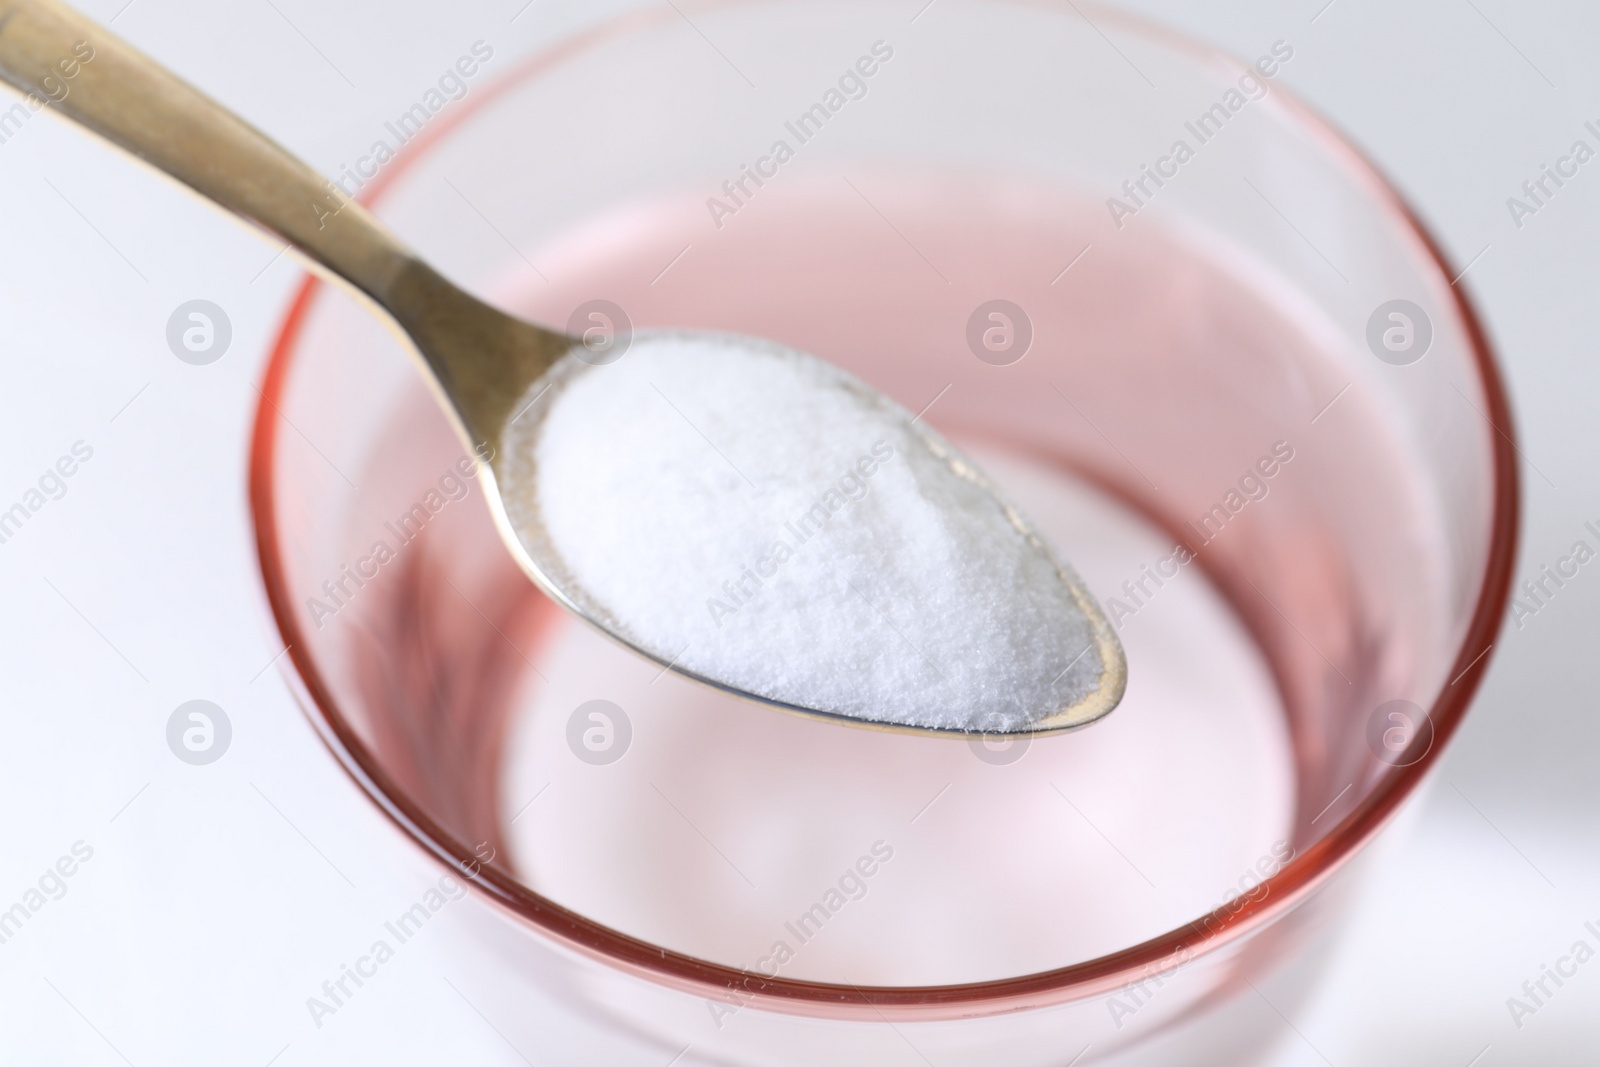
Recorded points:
481,358
61,59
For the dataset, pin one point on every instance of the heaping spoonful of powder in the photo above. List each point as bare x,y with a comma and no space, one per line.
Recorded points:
761,520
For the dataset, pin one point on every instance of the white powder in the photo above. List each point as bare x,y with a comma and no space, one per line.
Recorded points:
761,519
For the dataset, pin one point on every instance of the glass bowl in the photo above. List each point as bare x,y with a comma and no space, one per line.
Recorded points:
1245,348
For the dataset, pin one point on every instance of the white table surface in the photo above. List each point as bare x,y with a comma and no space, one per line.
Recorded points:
199,925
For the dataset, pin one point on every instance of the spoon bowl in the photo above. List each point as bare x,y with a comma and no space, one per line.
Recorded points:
719,605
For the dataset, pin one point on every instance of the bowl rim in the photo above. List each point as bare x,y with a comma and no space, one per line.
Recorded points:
1228,924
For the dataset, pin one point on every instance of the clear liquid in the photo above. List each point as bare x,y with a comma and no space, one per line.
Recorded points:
730,832
724,822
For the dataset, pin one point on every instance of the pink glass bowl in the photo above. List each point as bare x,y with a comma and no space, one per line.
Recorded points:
1381,573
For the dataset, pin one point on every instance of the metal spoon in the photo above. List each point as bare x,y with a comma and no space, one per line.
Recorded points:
481,360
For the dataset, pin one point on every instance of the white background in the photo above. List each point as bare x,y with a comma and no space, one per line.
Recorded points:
206,915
